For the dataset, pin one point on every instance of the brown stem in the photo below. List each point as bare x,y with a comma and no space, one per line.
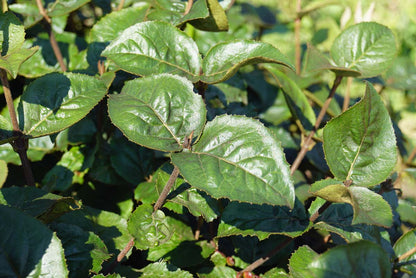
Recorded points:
321,115
198,227
120,5
120,257
269,255
161,200
43,12
20,144
4,6
297,36
319,211
346,102
188,7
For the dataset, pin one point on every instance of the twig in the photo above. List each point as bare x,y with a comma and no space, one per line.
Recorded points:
20,144
297,36
120,257
165,192
120,5
321,115
198,227
188,7
319,211
43,12
346,102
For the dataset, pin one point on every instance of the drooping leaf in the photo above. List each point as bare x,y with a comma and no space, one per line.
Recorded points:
28,248
163,270
262,221
216,19
221,61
367,47
360,144
12,38
148,227
299,261
296,100
155,47
404,245
358,259
56,101
109,26
238,158
158,111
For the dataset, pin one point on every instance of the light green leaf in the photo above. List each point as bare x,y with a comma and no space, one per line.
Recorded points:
28,248
407,211
217,19
148,227
6,131
221,61
155,47
217,271
331,190
360,144
299,261
367,47
3,172
109,26
296,100
263,221
56,101
238,158
163,270
358,259
63,7
158,111
404,244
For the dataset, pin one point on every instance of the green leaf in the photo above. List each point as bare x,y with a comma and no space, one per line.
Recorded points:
221,61
148,227
197,202
406,243
263,221
155,47
59,7
360,144
38,203
109,26
12,38
56,101
367,47
296,100
29,12
28,248
299,261
217,271
84,251
238,158
358,259
331,190
158,111
6,131
163,270
217,19
3,172
407,211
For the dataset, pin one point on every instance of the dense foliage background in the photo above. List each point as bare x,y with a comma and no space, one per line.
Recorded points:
285,131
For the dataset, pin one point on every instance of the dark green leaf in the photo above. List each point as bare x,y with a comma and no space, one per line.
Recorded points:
406,243
56,101
360,144
299,261
155,47
158,112
221,62
263,221
163,270
238,158
358,259
367,47
148,227
28,248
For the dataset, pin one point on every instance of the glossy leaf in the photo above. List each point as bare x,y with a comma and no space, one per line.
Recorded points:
59,7
367,47
216,19
405,245
148,227
358,259
158,112
155,47
12,38
240,160
299,261
263,221
360,144
109,26
56,101
29,248
163,270
296,100
221,63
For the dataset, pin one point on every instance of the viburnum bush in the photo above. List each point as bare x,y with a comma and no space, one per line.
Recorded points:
206,138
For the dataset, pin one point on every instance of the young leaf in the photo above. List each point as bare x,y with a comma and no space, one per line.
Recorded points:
149,228
358,259
360,144
222,61
158,111
238,158
404,245
56,101
12,37
155,47
367,47
263,221
28,246
299,261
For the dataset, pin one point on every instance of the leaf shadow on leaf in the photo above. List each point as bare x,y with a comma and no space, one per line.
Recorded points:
186,254
47,51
